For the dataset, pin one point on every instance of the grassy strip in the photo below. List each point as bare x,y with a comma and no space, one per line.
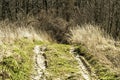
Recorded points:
61,64
101,71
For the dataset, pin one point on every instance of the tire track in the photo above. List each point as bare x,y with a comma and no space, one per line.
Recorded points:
40,63
84,66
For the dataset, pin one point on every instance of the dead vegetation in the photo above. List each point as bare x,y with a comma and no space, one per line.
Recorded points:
9,32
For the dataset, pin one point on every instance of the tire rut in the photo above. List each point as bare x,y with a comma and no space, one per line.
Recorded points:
84,67
40,63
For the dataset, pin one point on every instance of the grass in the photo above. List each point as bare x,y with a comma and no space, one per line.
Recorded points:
18,64
60,63
17,43
100,50
102,72
9,32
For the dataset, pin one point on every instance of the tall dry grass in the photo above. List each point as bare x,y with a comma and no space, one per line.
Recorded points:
42,27
92,36
9,32
99,44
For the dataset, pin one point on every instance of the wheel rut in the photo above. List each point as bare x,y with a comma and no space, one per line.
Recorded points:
40,63
84,67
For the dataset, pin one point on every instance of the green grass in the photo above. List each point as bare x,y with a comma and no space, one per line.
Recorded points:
19,64
61,64
101,71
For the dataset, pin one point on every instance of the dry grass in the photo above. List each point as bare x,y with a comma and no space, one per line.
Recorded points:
91,36
9,32
98,43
